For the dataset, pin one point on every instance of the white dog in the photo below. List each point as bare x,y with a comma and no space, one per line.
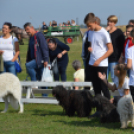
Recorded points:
125,109
10,89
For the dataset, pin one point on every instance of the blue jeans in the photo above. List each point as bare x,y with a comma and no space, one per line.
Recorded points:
111,69
34,71
62,72
9,66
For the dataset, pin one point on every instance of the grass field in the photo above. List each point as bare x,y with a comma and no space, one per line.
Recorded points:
49,119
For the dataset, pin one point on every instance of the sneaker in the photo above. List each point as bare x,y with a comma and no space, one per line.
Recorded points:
96,114
34,87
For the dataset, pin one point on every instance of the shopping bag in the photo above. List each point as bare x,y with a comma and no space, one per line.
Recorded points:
54,66
47,75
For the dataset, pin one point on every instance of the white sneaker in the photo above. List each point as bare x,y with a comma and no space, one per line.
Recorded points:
35,87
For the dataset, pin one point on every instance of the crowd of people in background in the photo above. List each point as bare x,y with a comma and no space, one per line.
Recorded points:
104,50
54,24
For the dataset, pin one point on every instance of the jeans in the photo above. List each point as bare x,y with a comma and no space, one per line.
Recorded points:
34,71
111,69
128,72
9,66
62,72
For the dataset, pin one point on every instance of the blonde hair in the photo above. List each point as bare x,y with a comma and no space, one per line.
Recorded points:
122,75
113,18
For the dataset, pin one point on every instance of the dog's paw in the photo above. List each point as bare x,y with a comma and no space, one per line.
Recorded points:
123,127
20,112
3,111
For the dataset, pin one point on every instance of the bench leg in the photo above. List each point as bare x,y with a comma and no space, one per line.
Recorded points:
28,94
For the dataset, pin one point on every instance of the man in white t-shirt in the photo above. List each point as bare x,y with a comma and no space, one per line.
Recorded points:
130,64
101,48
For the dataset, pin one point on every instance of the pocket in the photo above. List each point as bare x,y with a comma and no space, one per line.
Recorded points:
11,62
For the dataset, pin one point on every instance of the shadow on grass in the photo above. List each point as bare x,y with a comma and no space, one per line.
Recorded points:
92,123
47,112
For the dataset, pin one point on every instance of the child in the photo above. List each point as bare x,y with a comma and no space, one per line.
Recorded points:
128,43
101,48
130,64
118,40
85,53
121,82
79,74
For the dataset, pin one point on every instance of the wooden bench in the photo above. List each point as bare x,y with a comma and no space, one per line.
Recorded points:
30,92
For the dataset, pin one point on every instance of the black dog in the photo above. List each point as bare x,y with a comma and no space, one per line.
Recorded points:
73,100
108,112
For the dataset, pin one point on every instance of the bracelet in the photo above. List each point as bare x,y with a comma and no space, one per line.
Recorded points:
62,54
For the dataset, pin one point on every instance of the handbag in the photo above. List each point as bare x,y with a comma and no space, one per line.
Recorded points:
17,62
47,75
17,66
54,66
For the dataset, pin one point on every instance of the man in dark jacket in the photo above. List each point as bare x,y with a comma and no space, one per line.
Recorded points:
38,53
44,27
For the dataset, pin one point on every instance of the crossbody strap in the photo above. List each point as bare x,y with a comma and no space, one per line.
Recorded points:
13,45
14,50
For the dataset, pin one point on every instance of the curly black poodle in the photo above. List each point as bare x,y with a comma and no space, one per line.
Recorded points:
72,101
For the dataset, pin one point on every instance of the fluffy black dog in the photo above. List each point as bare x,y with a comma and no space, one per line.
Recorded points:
108,112
73,101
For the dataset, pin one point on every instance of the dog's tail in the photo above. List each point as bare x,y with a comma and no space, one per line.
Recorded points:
129,105
14,102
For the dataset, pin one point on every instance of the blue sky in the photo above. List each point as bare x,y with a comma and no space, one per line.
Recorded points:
36,11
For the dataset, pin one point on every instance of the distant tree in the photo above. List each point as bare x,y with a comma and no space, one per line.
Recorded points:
84,26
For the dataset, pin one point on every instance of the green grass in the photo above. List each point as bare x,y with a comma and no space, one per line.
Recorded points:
50,119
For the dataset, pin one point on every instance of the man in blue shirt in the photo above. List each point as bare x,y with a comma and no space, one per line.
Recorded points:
38,53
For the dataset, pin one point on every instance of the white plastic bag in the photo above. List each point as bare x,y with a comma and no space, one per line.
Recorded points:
47,75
